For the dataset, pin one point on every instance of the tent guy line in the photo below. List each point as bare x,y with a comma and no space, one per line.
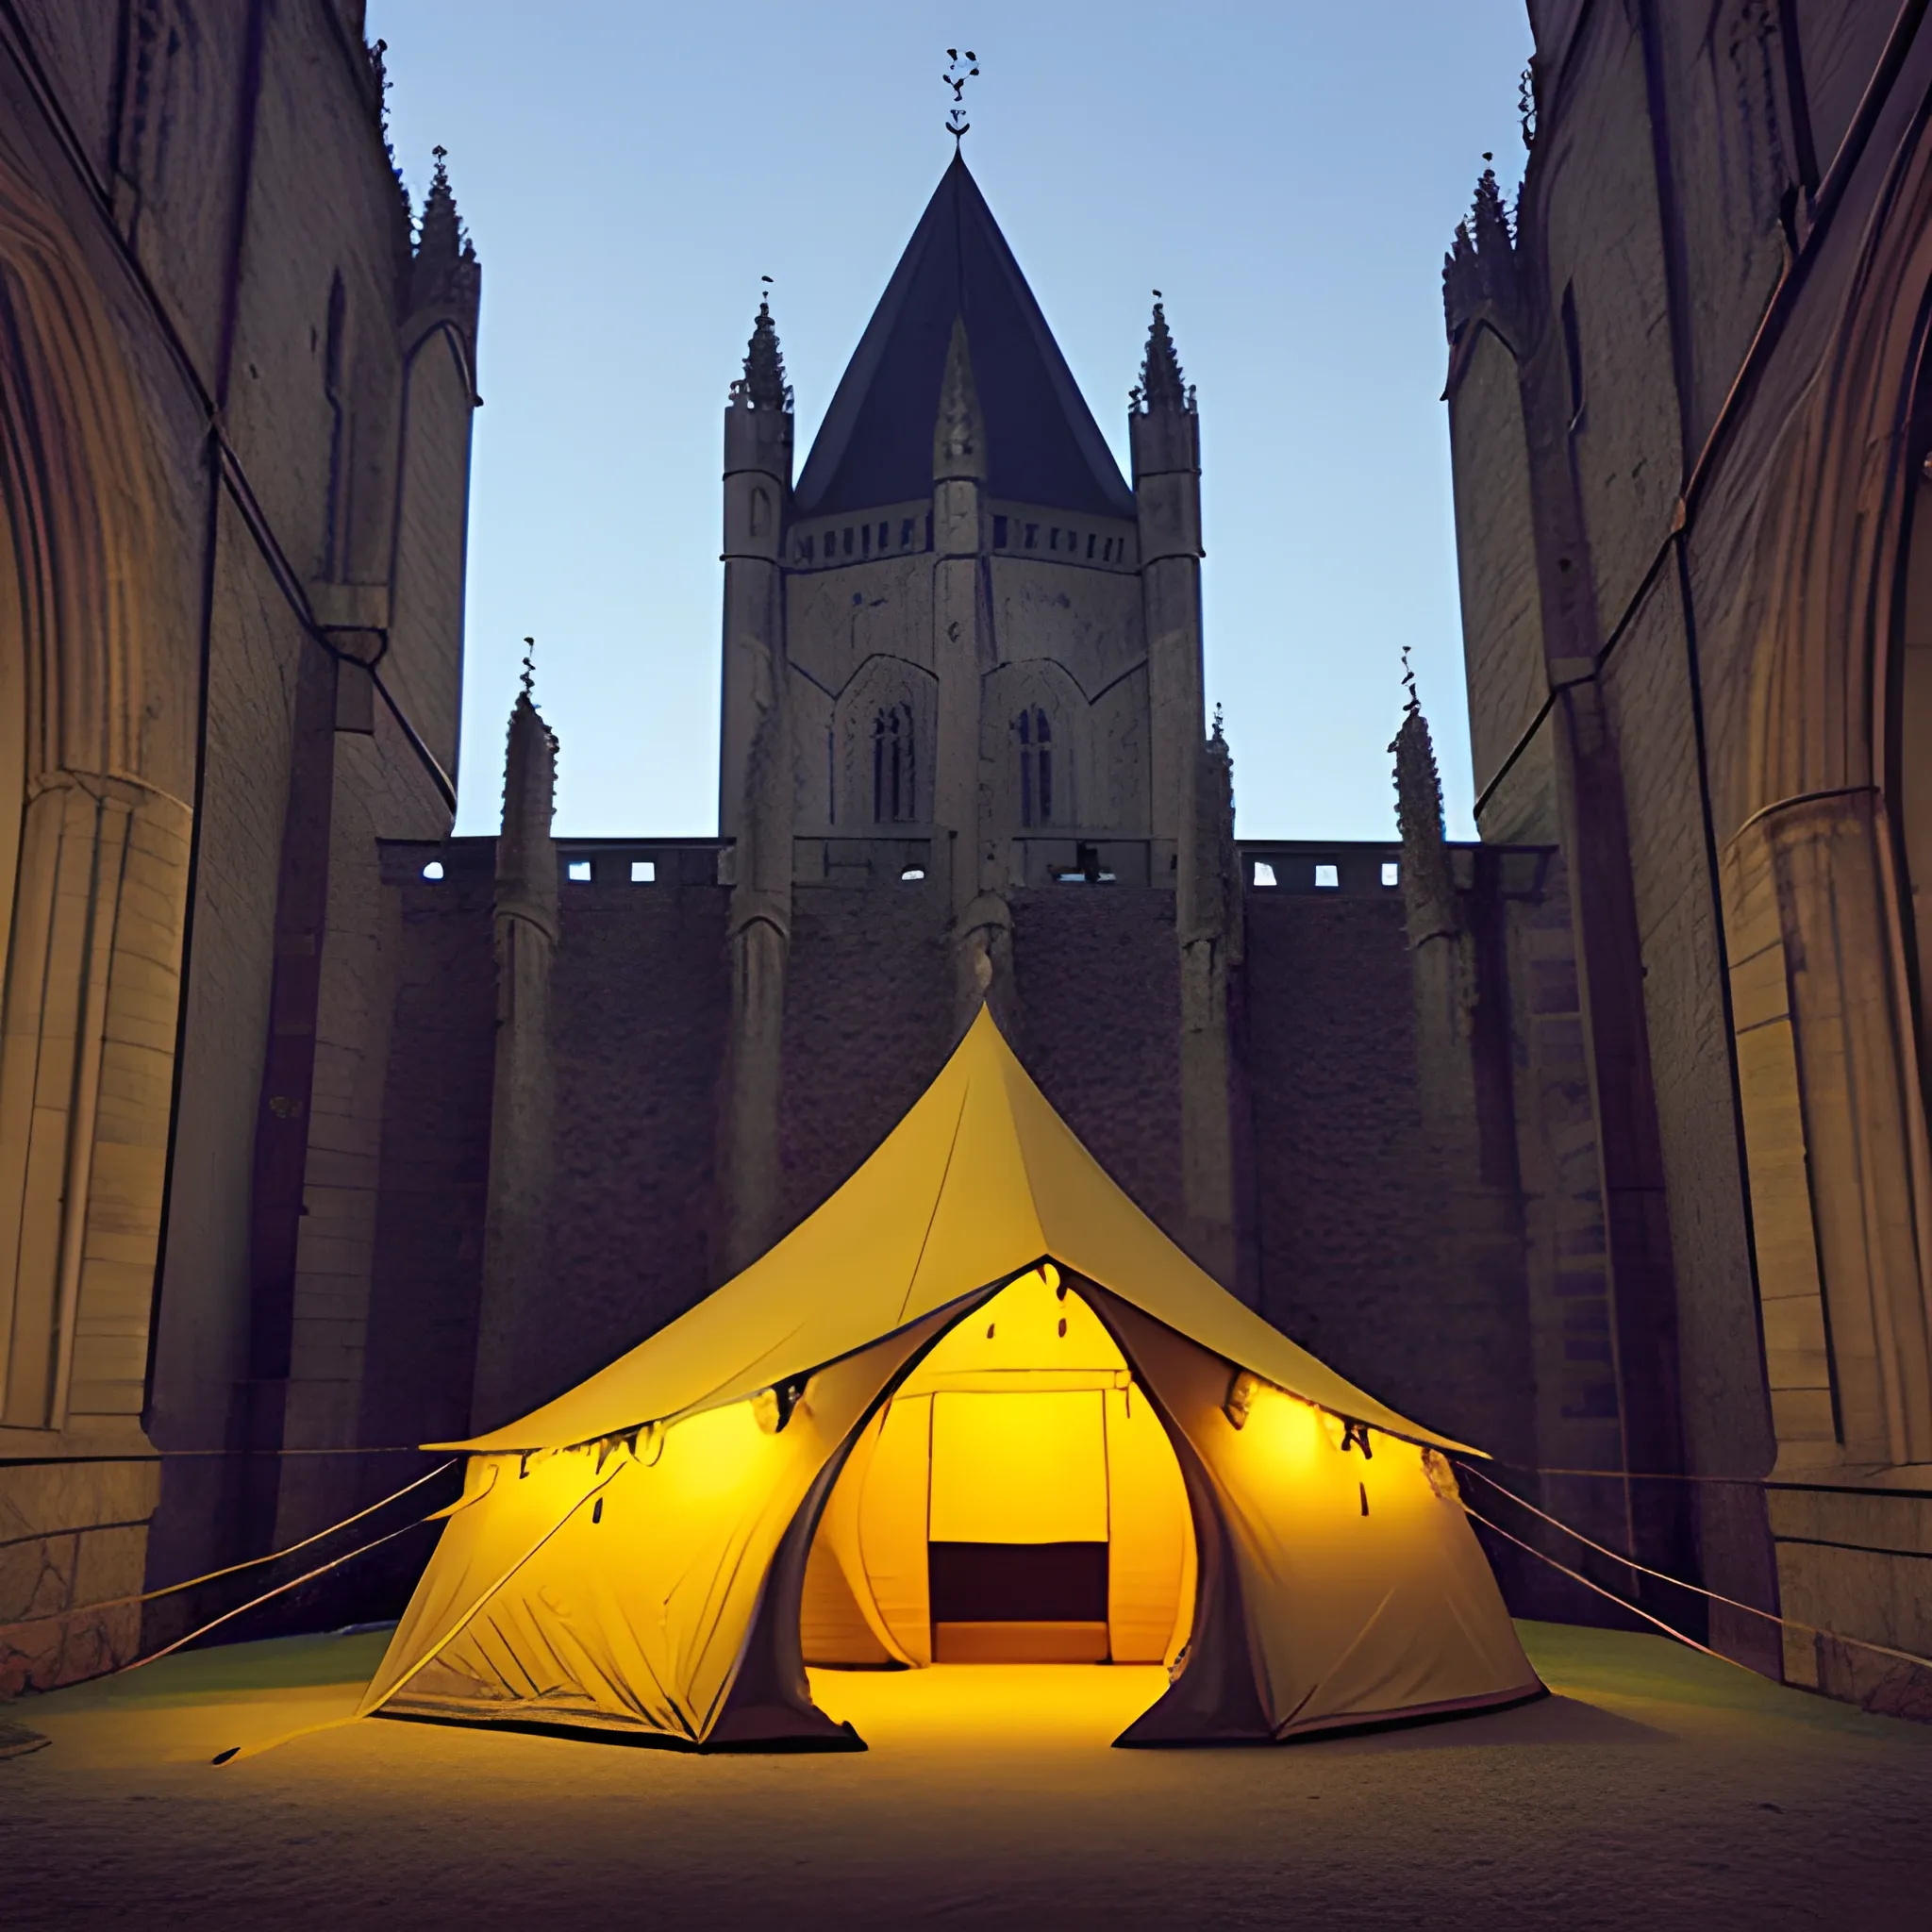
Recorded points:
148,1596
1905,1657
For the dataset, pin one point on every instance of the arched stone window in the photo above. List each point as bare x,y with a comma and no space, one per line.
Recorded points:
894,790
1035,733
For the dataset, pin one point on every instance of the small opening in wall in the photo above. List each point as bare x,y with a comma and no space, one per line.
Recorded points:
1264,873
580,870
1392,872
999,532
1327,878
1573,355
1086,869
913,872
643,871
433,869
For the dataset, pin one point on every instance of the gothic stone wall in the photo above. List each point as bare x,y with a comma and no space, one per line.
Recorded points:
198,183
1350,1193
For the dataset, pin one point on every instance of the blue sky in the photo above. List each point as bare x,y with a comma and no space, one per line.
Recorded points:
1288,174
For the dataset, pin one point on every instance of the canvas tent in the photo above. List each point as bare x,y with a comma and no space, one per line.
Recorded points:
977,1406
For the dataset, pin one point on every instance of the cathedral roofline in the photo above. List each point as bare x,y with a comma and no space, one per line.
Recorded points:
1043,444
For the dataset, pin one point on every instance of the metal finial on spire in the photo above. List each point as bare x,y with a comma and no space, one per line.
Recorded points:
959,72
1414,703
528,680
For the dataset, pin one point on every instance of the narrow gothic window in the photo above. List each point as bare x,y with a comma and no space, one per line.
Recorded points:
1035,766
892,792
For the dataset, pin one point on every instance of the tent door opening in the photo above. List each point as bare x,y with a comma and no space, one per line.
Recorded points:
1016,1502
1017,1527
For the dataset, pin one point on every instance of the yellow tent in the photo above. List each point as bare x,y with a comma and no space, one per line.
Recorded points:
977,1406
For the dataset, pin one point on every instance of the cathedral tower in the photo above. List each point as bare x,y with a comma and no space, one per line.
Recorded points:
964,612
985,648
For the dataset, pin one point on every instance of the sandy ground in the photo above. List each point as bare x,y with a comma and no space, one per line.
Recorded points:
1655,1788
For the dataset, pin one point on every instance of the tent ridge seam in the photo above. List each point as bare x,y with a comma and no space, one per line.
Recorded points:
939,1195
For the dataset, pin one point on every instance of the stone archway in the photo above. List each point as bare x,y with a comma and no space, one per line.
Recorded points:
94,837
1805,802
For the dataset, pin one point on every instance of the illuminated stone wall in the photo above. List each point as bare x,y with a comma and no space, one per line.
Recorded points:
236,668
1687,414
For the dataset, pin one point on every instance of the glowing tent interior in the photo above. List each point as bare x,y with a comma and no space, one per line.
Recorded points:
977,1406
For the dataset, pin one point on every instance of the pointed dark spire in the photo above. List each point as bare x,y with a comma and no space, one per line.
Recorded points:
765,386
1162,386
1481,265
1043,445
1462,281
446,270
525,860
1212,910
959,436
1428,887
1490,218
440,238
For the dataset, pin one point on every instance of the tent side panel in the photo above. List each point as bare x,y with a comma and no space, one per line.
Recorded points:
892,1525
1217,1695
662,1594
1147,1531
838,1540
832,1628
769,1700
1364,1597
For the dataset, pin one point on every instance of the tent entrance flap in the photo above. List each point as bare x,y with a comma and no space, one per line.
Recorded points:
1018,1502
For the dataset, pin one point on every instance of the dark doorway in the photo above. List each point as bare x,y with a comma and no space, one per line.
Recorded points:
1035,1602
